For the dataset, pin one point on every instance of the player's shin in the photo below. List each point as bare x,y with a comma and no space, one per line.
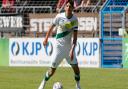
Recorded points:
47,76
77,78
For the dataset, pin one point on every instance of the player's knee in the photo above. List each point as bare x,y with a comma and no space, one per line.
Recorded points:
77,77
52,71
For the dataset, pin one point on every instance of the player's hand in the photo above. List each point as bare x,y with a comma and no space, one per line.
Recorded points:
71,54
58,10
45,42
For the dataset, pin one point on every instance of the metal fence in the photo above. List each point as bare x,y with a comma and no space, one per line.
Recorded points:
25,7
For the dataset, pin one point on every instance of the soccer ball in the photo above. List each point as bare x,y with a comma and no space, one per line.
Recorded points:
57,85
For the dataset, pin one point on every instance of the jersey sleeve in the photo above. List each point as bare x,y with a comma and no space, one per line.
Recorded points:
75,27
55,20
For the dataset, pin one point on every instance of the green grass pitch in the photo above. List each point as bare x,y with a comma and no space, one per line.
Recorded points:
91,78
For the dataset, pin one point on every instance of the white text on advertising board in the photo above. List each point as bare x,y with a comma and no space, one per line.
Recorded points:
11,22
85,23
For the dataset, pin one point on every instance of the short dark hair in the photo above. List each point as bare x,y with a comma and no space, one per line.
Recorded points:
71,2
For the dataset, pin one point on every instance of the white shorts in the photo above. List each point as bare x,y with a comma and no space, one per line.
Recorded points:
61,53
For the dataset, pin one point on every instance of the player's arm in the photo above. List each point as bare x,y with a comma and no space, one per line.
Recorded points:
48,34
54,23
58,6
73,44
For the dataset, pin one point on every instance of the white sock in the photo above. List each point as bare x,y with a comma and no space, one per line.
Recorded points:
77,82
42,85
78,85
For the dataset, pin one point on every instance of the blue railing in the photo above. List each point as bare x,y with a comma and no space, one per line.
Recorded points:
110,56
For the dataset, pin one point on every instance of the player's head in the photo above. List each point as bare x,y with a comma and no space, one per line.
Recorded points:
71,2
69,6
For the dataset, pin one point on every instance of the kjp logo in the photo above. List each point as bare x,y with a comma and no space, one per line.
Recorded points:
86,48
31,48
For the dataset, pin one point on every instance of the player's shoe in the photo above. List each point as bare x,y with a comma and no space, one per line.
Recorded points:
78,85
42,85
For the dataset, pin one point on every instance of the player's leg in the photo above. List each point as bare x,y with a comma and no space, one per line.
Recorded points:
54,64
77,75
48,74
74,65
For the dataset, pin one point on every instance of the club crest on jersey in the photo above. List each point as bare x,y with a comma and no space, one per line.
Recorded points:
61,22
